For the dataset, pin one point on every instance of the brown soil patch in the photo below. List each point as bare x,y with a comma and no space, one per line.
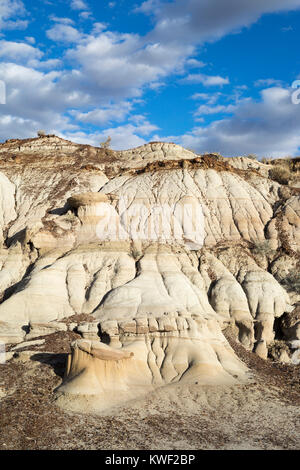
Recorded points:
78,318
282,376
205,162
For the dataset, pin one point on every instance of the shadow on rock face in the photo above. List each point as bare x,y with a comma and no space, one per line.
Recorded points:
56,361
60,210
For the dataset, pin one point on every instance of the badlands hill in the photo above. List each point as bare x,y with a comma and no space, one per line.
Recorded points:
153,275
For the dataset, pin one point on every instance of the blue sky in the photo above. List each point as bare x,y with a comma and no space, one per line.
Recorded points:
211,75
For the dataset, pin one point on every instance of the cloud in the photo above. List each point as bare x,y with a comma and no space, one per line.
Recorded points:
58,19
64,33
148,7
33,101
10,11
30,39
194,21
18,51
108,68
85,15
205,109
268,127
122,137
79,5
194,63
37,99
49,64
117,66
101,73
206,80
209,98
113,112
267,82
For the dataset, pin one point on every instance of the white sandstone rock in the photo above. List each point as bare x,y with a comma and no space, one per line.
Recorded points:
38,342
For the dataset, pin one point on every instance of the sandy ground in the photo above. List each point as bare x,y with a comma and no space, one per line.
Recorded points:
264,414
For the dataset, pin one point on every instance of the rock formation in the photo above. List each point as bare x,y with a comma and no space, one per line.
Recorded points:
162,248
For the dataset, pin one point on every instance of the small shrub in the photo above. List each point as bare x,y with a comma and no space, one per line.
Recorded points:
211,154
106,144
280,174
136,254
215,154
290,319
212,275
266,160
262,248
292,281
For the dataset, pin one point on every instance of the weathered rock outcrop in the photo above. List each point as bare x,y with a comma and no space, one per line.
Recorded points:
164,249
146,354
231,208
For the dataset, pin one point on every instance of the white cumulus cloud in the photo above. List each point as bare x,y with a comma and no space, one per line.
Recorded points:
268,127
10,13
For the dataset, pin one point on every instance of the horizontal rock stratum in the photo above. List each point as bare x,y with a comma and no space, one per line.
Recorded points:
162,248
